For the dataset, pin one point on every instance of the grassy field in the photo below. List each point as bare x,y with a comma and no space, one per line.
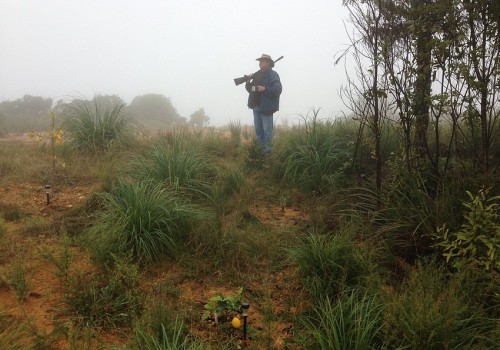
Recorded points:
145,238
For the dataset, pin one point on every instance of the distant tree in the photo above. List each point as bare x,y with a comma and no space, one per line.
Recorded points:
481,69
154,111
27,113
199,118
3,129
107,101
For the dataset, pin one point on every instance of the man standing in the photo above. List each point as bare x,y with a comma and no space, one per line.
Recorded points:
264,98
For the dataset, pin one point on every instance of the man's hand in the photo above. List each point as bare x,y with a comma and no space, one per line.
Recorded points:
261,88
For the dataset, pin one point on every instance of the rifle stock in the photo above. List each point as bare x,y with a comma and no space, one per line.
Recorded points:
245,78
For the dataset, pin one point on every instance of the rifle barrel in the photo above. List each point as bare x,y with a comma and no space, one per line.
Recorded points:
238,81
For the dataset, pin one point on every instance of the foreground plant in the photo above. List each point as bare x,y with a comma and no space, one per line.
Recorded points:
477,243
353,321
222,304
144,219
174,339
328,263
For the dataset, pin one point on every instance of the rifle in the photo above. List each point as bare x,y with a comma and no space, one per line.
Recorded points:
245,78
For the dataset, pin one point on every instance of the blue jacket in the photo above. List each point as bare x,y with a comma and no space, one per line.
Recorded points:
270,98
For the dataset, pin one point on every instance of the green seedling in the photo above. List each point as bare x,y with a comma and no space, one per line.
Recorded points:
222,305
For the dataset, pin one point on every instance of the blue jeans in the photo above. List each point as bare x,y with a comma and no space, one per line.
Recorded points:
263,129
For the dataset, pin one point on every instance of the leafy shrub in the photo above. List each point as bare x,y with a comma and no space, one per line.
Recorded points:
92,128
221,304
144,219
478,240
354,321
430,311
328,263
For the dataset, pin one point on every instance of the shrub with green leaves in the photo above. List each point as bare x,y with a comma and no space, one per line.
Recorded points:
92,128
221,304
354,321
477,242
144,219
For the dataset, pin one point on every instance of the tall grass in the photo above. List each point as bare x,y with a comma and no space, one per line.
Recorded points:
174,339
12,334
328,263
107,298
91,128
317,154
235,131
23,162
353,322
144,219
404,214
178,166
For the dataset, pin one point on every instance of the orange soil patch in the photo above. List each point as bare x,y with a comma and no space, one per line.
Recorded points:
45,308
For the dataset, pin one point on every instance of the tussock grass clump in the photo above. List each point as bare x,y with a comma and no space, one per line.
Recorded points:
404,215
316,155
179,167
170,339
328,263
353,321
144,219
235,131
91,128
161,325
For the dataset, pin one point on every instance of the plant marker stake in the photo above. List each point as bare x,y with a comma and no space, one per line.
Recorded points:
244,310
47,192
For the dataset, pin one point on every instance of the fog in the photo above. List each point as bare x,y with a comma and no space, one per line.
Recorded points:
187,50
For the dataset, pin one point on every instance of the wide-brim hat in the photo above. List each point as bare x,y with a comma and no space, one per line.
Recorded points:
266,57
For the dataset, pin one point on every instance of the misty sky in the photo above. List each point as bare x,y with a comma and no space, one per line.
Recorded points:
188,50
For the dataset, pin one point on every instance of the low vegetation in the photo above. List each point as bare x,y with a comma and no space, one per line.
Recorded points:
156,246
